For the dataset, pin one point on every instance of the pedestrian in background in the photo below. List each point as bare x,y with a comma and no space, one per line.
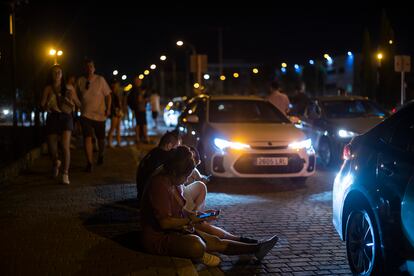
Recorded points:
138,100
278,99
95,96
155,107
117,112
59,100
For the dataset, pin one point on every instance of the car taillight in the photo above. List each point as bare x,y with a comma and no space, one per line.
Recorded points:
347,153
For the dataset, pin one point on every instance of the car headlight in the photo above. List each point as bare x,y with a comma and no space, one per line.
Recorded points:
346,133
305,144
224,144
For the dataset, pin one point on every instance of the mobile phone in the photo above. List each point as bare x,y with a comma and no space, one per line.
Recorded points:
208,177
211,214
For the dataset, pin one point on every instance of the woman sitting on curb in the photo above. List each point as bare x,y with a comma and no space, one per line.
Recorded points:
169,230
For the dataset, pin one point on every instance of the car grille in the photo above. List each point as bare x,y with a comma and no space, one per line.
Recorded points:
246,164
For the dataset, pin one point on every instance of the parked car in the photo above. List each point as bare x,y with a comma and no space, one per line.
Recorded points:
332,121
173,110
373,197
246,136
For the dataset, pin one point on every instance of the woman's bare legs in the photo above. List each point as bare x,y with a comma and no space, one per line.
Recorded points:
186,246
66,150
52,142
118,130
227,247
114,123
216,231
197,193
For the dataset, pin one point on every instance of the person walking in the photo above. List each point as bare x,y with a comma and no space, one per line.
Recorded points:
155,107
59,100
278,99
138,99
117,112
95,96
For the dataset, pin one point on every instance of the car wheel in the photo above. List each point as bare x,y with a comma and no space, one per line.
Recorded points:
362,244
325,153
299,180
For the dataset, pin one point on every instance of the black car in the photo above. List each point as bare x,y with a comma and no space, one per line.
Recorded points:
373,197
332,121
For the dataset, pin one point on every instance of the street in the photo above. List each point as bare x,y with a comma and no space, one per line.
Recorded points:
92,226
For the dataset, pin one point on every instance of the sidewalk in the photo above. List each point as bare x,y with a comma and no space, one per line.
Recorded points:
87,228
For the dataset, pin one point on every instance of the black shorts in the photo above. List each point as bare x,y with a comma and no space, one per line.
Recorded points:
141,118
57,122
154,115
88,126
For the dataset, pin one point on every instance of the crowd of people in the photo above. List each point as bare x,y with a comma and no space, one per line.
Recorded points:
97,101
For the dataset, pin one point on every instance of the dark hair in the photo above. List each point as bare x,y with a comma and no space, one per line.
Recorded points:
196,155
88,60
274,85
181,162
169,137
49,80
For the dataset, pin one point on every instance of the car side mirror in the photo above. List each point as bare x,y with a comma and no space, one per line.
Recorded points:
192,119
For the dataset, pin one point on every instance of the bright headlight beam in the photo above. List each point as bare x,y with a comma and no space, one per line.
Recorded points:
223,144
346,134
305,144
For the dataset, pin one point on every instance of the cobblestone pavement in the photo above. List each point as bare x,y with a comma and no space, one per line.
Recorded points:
91,226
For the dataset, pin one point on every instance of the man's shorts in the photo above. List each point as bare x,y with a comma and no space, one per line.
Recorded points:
88,126
141,118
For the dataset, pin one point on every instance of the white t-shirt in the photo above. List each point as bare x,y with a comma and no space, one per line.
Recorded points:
93,99
280,100
155,102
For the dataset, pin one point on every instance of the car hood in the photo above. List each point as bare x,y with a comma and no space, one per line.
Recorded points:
358,125
248,133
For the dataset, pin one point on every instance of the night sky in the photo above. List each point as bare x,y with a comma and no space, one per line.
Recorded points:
123,36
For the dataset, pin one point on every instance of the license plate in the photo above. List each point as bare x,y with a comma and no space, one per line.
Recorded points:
271,161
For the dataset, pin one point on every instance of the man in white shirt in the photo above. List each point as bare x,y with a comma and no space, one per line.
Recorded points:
278,99
95,96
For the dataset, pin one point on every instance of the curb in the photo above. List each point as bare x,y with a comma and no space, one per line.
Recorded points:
20,165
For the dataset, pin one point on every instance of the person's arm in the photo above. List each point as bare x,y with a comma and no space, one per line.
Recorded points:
74,96
108,102
45,98
108,98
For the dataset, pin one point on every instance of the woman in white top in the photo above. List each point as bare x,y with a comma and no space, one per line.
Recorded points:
59,100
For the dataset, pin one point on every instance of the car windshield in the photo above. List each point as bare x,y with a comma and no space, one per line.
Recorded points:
352,108
244,111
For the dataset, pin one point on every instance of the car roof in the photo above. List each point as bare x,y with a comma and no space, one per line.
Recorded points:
340,98
232,97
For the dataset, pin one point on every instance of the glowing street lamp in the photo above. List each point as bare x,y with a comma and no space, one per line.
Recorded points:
163,57
196,85
115,72
390,41
55,53
146,72
235,75
141,76
223,77
206,76
284,65
153,66
124,77
255,71
59,53
380,56
179,43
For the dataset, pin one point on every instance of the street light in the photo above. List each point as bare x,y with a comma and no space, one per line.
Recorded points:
284,65
153,66
196,85
179,43
146,72
115,72
141,76
124,77
235,75
163,57
380,57
55,53
255,71
390,41
206,76
222,77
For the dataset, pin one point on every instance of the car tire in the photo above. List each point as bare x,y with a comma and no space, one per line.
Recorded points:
299,180
326,153
363,246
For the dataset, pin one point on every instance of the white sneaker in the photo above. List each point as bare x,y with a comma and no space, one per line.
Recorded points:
65,179
210,260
